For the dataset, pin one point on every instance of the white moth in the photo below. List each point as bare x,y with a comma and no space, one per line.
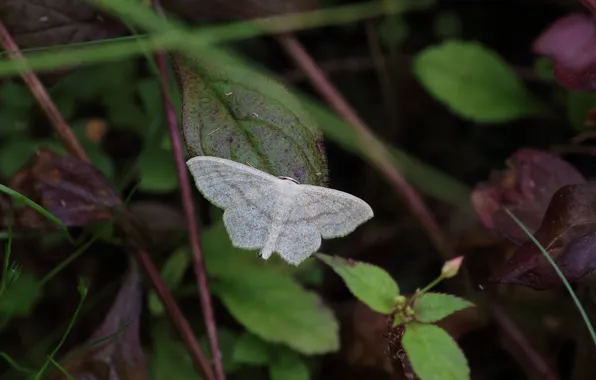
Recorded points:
276,214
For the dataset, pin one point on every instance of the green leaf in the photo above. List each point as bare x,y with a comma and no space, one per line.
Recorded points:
169,357
474,82
288,365
250,349
172,273
157,171
231,111
578,106
20,296
369,283
227,342
434,355
14,154
16,96
276,309
432,307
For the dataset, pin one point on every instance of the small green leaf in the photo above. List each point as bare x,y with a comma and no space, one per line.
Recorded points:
475,82
250,349
276,309
369,283
432,307
20,296
434,355
169,357
288,365
14,154
16,96
157,171
227,342
172,272
578,106
232,111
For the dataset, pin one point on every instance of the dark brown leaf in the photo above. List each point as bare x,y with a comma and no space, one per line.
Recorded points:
526,189
121,356
225,10
37,23
568,233
71,189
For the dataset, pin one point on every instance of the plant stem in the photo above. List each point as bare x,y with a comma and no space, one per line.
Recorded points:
189,211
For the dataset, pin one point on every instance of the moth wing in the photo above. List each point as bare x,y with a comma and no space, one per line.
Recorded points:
334,212
226,183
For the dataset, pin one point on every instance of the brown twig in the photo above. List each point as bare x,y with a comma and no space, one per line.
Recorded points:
43,98
378,154
75,148
189,211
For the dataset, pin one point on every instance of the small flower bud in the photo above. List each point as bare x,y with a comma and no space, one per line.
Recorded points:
451,267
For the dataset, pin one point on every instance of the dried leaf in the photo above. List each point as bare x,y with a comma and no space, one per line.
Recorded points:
526,189
568,233
233,112
121,356
37,23
72,190
226,10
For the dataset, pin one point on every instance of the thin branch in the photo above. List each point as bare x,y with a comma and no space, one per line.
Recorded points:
189,211
75,148
378,153
43,98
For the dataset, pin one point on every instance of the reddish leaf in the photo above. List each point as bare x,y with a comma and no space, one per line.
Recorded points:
121,356
571,43
568,233
526,189
37,23
71,189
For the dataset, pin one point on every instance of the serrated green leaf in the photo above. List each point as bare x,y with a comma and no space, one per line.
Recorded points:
434,355
474,82
288,365
432,307
367,282
276,309
172,273
252,350
157,171
20,296
234,112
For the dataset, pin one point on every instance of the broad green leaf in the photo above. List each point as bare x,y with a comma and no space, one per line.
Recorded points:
157,171
250,349
474,82
288,365
172,273
434,355
275,308
369,283
20,296
432,307
233,112
578,106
